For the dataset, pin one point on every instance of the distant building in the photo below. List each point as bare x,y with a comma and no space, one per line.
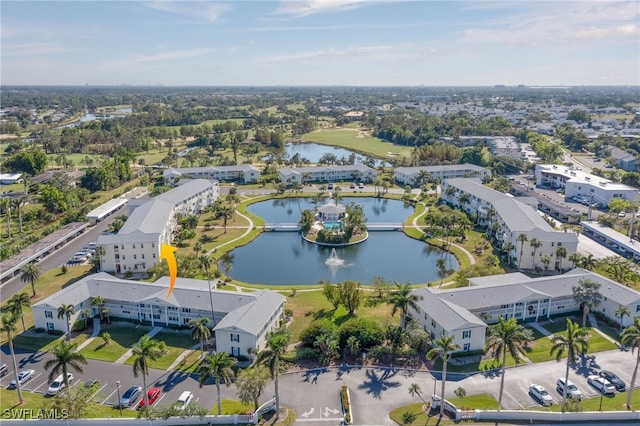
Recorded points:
10,178
356,172
458,311
505,146
408,175
241,321
510,217
136,247
622,159
577,183
245,173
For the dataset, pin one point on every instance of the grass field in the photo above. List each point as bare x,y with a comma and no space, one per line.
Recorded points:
122,338
481,402
348,138
176,344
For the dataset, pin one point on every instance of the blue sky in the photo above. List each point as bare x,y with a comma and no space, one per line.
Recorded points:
322,42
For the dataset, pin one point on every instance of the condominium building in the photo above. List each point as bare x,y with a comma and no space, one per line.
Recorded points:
245,173
408,175
136,246
356,172
508,219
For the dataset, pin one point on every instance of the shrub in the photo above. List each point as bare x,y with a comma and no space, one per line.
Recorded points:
78,325
369,333
408,417
55,332
309,335
64,269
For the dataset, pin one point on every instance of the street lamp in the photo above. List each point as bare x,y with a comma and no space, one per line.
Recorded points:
118,388
601,395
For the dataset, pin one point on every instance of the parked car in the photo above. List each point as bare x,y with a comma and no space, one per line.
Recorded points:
23,377
90,382
3,370
330,186
152,394
184,400
130,396
572,390
352,186
540,394
616,381
361,185
601,384
58,384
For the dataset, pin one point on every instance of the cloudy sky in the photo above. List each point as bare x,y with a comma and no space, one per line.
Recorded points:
320,42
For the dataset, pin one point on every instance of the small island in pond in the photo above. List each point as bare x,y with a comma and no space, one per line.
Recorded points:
334,224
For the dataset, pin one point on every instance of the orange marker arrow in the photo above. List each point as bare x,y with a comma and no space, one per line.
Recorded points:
168,253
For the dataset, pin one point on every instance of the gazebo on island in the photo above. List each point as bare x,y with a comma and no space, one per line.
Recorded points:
334,225
332,212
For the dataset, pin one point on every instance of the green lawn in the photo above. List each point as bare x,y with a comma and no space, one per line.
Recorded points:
122,338
538,350
482,401
481,365
32,343
232,406
190,363
176,344
36,401
616,402
348,138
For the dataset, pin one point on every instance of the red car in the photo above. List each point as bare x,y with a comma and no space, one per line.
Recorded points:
152,394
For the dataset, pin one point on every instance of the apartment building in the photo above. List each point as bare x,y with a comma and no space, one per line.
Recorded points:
355,172
244,173
408,175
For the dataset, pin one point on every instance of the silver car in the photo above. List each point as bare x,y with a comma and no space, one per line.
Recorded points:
130,397
23,377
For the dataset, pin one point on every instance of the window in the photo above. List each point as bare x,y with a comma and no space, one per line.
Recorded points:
122,247
133,246
174,319
156,316
153,245
186,310
433,323
50,326
467,346
126,312
49,314
135,257
466,334
141,246
235,351
154,255
142,255
235,337
123,257
638,308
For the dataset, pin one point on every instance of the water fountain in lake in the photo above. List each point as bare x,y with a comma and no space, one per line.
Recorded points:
334,260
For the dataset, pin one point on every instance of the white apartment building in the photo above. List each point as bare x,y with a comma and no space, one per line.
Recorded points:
408,175
355,172
241,320
245,173
136,246
458,311
513,217
577,183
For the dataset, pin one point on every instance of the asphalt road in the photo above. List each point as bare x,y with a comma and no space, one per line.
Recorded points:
60,256
314,394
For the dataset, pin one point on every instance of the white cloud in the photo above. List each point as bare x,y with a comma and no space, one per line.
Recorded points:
157,57
33,49
207,11
306,8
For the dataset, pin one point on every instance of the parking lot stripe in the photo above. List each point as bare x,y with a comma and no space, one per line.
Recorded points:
159,399
44,383
98,391
110,395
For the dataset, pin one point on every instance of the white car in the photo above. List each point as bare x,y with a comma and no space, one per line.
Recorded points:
184,400
58,384
23,376
601,384
540,394
572,390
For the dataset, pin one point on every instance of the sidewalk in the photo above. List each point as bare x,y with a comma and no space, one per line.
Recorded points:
127,354
96,331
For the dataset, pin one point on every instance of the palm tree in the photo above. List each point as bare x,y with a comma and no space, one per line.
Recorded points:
587,295
561,253
535,244
98,302
277,342
67,311
5,204
226,213
575,342
200,331
219,366
620,312
30,273
415,389
521,239
630,337
8,322
442,269
16,303
506,337
65,355
86,314
443,348
18,203
403,298
588,262
506,248
546,260
575,259
205,263
146,349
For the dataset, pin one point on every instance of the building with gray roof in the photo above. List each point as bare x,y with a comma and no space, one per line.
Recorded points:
355,172
136,246
408,175
506,219
240,320
465,312
245,173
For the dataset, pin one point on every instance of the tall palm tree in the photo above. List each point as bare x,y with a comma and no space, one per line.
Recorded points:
219,366
521,239
575,259
146,349
5,204
587,295
277,342
588,262
30,273
443,348
226,213
8,323
16,303
631,337
535,244
506,337
403,298
575,342
98,302
442,268
65,355
205,264
561,253
86,314
200,331
17,204
67,311
620,312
